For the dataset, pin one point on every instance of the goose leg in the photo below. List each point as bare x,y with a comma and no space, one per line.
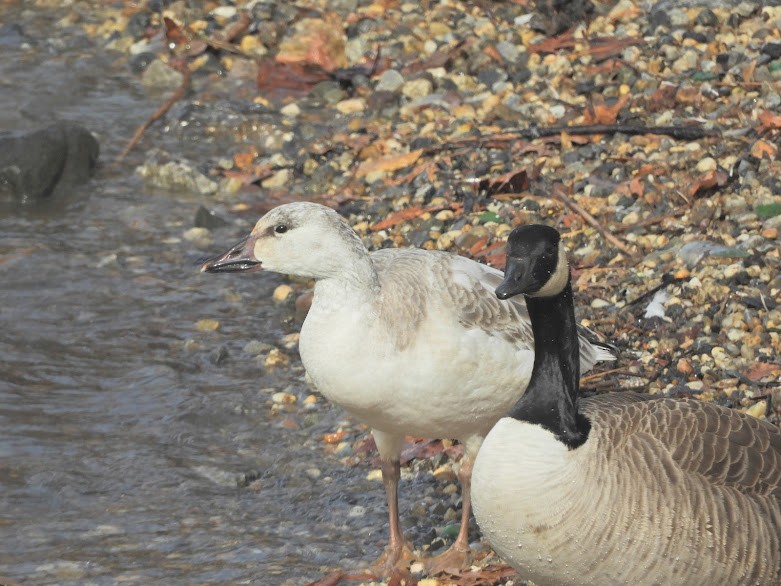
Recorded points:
458,556
398,553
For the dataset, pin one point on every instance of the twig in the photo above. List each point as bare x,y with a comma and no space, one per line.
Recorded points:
225,39
180,66
598,375
558,192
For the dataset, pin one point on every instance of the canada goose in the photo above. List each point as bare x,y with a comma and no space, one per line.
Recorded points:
410,341
622,488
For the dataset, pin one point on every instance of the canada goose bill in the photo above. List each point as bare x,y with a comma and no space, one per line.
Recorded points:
621,488
408,341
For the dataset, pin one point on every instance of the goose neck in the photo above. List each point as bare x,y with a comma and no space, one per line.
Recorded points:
551,399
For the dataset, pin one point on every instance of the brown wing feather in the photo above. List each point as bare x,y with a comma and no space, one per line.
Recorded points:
724,446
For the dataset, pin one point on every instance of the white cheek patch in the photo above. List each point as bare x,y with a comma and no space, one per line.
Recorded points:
256,250
558,279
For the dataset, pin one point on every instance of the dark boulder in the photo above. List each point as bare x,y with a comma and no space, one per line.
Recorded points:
35,164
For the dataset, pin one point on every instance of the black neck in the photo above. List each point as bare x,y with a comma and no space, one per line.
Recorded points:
551,400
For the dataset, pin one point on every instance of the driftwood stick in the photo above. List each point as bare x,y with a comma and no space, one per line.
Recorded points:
558,193
180,66
677,132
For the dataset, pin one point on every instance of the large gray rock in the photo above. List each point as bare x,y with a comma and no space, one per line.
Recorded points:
35,164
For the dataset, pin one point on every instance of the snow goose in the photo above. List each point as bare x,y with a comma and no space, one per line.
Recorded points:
409,341
622,488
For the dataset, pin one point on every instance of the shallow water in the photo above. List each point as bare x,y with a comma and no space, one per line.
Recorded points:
122,435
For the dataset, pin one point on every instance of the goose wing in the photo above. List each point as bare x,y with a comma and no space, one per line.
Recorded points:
467,287
726,447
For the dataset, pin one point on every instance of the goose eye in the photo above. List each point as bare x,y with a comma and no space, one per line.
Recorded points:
280,228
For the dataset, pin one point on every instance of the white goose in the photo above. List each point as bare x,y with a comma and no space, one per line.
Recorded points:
622,488
409,341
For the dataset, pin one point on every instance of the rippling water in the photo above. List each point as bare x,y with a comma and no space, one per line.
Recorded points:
121,435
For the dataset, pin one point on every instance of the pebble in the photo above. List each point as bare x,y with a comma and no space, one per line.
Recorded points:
278,179
282,293
207,325
390,81
283,398
417,88
159,76
276,358
707,164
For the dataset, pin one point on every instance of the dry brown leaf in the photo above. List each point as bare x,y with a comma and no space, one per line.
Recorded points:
714,178
488,576
398,217
389,163
553,44
759,370
768,121
603,48
288,78
515,181
663,98
601,113
763,149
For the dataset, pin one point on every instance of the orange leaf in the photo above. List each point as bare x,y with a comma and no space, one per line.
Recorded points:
769,121
714,178
389,163
244,160
398,217
604,114
491,51
763,149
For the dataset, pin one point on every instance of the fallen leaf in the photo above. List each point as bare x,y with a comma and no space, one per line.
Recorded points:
288,78
603,48
420,448
601,113
762,149
663,98
389,163
492,575
715,178
760,370
491,51
515,181
553,44
768,121
398,217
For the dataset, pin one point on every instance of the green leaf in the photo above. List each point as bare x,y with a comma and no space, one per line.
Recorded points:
489,217
768,210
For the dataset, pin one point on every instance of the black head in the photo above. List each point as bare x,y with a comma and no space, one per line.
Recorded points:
536,263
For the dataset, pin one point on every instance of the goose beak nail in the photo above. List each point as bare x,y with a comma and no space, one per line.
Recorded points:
239,259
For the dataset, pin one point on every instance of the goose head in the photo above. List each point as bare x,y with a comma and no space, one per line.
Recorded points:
536,263
302,238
